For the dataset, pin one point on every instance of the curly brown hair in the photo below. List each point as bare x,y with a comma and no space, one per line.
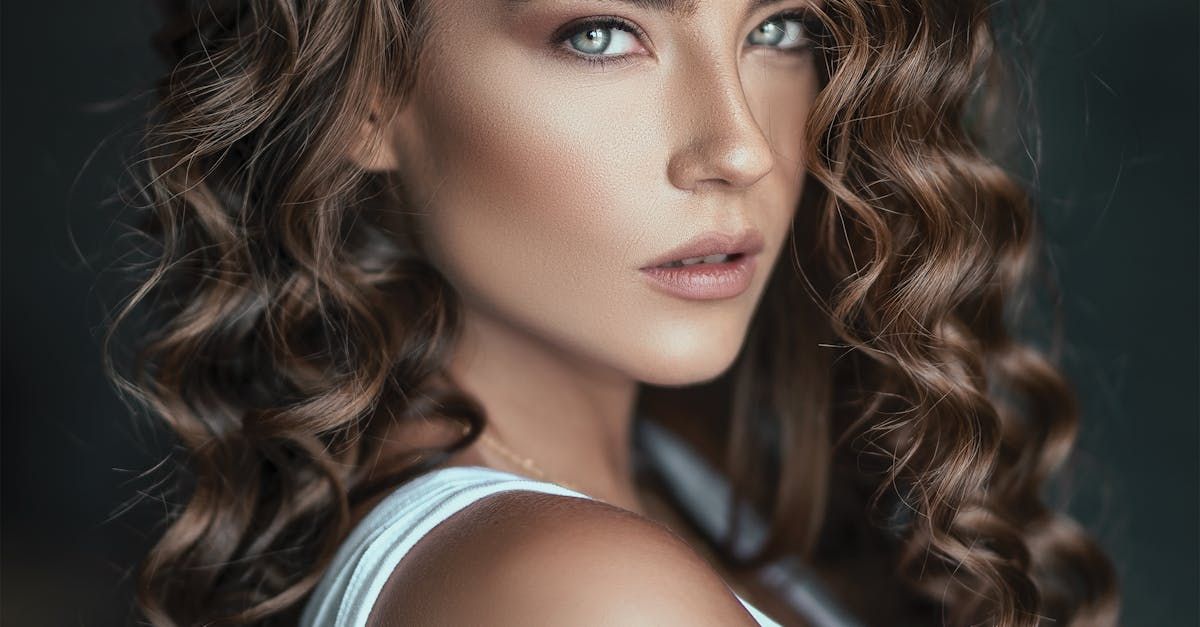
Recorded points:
285,328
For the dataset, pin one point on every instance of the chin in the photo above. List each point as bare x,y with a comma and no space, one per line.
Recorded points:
682,359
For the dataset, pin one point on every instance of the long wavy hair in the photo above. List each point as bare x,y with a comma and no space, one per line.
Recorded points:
881,399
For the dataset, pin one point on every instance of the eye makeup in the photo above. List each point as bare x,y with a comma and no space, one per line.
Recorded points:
560,40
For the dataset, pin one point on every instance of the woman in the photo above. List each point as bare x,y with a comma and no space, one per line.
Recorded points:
407,247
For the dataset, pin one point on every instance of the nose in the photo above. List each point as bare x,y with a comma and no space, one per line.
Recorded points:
722,143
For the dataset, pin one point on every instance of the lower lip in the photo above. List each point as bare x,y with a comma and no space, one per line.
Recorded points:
705,281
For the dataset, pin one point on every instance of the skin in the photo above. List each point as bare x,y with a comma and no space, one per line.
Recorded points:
541,183
545,182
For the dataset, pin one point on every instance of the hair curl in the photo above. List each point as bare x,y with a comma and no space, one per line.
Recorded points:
286,329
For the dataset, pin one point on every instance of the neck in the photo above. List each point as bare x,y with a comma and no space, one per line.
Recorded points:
571,416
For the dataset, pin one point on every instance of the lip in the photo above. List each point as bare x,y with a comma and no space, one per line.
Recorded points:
748,242
706,281
709,281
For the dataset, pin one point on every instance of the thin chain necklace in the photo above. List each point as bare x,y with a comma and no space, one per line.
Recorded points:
524,462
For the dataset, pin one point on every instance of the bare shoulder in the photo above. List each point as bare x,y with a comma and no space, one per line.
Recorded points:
522,558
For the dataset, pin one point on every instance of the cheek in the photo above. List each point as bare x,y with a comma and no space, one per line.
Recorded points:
532,207
781,107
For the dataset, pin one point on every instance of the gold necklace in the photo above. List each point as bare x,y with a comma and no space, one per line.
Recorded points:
524,462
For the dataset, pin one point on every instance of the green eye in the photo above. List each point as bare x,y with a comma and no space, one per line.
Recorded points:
786,31
601,41
593,41
598,37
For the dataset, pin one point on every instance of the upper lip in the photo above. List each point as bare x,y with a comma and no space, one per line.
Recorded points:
749,242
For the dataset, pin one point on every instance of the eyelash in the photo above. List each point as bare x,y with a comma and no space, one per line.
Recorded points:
805,18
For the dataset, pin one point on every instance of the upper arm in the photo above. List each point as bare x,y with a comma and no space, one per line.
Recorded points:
530,558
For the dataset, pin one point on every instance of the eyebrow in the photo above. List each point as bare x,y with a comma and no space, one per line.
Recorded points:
679,8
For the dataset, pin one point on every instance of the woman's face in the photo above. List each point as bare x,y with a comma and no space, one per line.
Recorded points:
545,181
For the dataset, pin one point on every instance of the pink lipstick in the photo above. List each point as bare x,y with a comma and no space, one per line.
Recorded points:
711,266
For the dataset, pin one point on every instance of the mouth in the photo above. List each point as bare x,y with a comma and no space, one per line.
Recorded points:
708,260
712,277
713,265
712,247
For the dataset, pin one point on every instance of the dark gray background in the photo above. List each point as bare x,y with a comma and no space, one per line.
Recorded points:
1117,93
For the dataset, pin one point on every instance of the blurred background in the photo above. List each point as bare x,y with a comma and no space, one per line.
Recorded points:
1116,88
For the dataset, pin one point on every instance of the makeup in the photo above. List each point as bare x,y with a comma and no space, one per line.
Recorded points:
705,280
541,186
711,266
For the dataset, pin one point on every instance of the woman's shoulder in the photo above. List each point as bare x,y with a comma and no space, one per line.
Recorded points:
523,557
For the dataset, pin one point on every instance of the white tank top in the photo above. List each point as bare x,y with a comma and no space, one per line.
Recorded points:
366,558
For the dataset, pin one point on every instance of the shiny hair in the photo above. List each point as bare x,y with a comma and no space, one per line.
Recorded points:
285,328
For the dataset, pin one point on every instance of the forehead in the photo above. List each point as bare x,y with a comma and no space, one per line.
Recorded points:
679,8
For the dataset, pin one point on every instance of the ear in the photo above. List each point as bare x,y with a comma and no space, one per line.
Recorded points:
372,148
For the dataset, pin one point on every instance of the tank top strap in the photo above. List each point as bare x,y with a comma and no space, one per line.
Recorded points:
366,558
